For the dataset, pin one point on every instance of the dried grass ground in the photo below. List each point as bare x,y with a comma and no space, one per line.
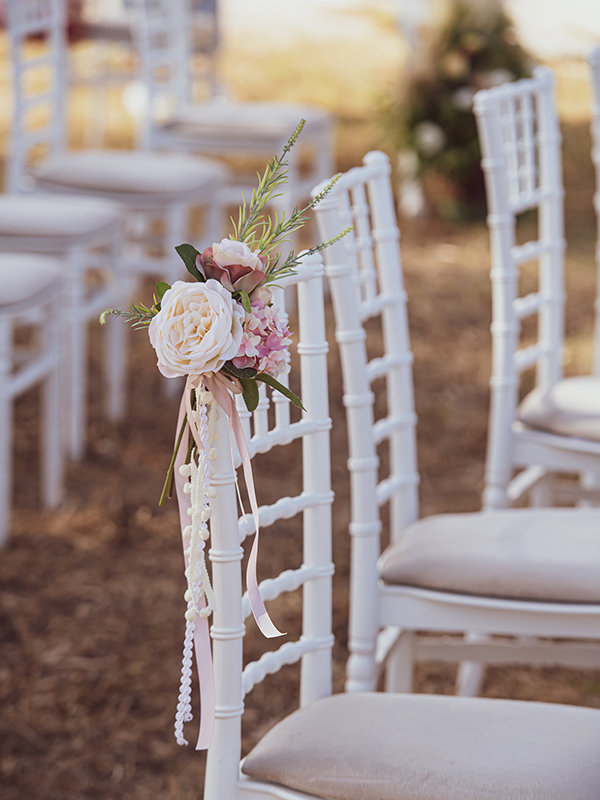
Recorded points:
91,595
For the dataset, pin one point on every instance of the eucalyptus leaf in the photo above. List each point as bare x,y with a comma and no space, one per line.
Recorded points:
188,253
271,381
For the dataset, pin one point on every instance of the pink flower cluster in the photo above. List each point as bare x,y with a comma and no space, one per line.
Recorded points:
265,341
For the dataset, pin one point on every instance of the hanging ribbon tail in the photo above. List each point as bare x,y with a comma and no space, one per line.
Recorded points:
204,664
219,387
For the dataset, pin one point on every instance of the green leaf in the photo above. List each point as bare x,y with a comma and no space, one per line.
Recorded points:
188,253
250,393
161,288
245,301
246,372
270,380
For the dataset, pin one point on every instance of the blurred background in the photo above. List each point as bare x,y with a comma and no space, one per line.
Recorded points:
91,610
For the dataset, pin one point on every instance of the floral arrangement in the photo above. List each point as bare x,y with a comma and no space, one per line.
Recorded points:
431,123
224,322
224,334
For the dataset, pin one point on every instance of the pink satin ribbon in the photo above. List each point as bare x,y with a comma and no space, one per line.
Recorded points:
221,389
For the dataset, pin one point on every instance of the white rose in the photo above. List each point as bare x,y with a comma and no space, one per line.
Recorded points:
228,252
198,329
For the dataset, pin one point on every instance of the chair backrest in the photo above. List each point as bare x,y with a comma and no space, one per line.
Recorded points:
169,36
520,144
364,271
594,62
268,430
38,51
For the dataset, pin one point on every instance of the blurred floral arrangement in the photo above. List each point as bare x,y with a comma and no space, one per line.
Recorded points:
431,124
223,333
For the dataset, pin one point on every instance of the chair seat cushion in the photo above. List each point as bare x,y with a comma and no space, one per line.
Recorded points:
427,747
548,555
129,173
570,408
38,216
231,122
23,276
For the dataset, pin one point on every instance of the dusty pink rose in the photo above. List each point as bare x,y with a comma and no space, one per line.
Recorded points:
238,268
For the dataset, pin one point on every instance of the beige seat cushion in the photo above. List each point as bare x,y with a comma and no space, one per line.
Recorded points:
23,276
570,408
255,120
532,554
57,216
132,173
426,747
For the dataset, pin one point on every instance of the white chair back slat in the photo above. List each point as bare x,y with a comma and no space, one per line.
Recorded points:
289,653
260,417
364,242
284,508
529,251
511,146
313,503
528,305
527,357
287,581
529,168
520,144
245,417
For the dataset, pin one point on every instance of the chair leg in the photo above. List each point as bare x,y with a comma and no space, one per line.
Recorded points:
6,414
115,344
542,494
471,674
52,465
589,482
400,663
115,354
76,360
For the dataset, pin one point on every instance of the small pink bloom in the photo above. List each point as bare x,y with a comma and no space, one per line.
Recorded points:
265,341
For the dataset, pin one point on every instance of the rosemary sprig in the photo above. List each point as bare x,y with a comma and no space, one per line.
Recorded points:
139,315
249,222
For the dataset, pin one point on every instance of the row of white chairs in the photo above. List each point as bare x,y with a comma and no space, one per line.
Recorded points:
509,572
106,214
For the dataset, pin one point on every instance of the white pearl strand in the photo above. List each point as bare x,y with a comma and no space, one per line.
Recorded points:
194,537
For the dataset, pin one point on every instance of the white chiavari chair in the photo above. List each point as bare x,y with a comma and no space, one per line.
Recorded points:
513,572
356,746
555,428
32,298
219,126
